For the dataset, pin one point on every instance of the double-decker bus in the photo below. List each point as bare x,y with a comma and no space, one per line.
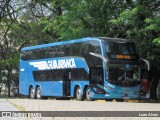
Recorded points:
87,68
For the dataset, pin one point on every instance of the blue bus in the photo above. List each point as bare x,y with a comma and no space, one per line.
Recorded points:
87,68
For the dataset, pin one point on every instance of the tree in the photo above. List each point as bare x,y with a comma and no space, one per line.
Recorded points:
23,23
7,50
32,22
141,24
83,18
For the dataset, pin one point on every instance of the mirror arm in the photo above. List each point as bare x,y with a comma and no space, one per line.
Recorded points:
147,62
99,56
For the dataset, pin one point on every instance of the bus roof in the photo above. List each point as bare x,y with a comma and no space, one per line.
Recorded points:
119,40
59,43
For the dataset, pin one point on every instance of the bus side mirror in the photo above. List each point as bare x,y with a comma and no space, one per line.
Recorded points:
99,56
146,62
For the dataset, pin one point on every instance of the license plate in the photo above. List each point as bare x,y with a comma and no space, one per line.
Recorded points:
126,97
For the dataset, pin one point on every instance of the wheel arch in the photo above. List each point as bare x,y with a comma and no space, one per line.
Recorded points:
38,86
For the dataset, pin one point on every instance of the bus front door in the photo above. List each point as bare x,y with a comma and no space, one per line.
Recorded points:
96,79
66,83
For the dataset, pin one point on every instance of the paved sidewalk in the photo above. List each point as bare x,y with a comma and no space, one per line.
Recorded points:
7,107
72,105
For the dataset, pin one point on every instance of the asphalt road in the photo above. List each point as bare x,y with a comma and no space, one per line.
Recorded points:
73,109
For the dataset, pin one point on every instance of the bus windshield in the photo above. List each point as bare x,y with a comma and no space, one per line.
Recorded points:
115,50
122,48
124,75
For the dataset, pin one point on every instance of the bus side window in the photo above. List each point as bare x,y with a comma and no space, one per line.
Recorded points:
23,55
94,46
84,50
51,53
61,52
67,50
28,55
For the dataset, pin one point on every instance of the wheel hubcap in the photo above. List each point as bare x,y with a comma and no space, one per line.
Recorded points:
79,93
87,94
38,93
32,93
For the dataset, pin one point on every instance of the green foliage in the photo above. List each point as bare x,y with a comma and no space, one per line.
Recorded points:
157,41
32,32
46,21
142,24
83,18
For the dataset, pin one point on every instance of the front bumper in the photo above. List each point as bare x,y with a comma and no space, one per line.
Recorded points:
114,95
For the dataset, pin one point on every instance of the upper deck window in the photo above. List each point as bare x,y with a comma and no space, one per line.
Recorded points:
116,50
122,49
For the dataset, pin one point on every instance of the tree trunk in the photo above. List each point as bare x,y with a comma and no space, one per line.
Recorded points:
8,82
154,77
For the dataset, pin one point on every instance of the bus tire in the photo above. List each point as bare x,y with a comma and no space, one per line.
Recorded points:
45,97
87,94
38,93
32,93
119,100
79,95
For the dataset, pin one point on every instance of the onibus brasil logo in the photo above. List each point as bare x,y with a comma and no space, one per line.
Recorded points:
54,64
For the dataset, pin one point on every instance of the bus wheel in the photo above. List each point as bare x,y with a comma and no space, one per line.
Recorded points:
79,95
119,100
38,93
32,93
87,94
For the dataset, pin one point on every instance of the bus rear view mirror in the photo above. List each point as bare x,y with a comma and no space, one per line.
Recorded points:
146,62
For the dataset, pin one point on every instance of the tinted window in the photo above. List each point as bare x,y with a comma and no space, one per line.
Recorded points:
56,75
122,48
122,76
40,53
79,74
94,46
58,51
76,49
50,52
93,61
84,49
26,55
48,75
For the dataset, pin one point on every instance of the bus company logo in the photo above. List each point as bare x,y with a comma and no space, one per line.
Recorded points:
54,64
